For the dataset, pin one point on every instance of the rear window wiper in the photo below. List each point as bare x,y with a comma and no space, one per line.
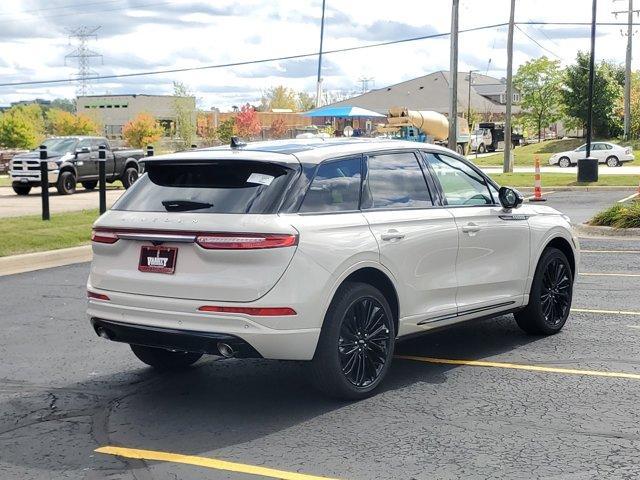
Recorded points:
184,205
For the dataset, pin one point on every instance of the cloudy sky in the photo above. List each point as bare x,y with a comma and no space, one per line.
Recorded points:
147,35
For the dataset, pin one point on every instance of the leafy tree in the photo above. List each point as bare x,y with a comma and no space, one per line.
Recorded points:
22,126
142,130
206,129
247,123
279,97
306,102
61,122
538,82
606,94
278,128
224,131
64,104
184,114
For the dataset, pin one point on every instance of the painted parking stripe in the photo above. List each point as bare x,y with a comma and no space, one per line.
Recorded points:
634,326
518,366
629,197
594,274
206,463
612,312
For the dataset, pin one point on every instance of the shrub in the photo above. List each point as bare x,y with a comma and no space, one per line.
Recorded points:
619,216
142,130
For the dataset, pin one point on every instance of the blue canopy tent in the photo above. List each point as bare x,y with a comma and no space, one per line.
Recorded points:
345,111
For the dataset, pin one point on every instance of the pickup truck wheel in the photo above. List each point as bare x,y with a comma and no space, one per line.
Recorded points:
21,189
356,343
66,183
550,297
89,185
162,359
129,176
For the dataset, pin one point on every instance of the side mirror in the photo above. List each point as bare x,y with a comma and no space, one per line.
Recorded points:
83,150
510,197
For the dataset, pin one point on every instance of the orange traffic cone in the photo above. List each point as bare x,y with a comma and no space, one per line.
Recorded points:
537,189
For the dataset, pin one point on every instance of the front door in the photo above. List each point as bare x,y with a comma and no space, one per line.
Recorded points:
418,242
493,255
86,163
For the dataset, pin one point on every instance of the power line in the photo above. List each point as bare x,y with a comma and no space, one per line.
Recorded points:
36,10
253,62
538,43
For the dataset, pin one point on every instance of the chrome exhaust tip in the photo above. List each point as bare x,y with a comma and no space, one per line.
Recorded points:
226,350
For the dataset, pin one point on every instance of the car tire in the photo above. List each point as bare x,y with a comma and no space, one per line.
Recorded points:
162,359
564,162
21,190
356,343
66,184
129,176
613,161
90,185
550,296
459,149
482,149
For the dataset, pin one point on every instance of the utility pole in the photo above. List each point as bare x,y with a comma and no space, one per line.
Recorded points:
319,84
627,71
471,72
507,165
453,78
82,35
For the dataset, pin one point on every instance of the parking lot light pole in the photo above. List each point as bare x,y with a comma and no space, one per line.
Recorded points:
44,182
102,177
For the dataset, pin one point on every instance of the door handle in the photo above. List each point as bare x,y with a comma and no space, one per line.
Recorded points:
392,235
471,228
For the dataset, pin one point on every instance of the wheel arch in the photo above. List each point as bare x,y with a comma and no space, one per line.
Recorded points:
380,280
131,162
68,168
564,246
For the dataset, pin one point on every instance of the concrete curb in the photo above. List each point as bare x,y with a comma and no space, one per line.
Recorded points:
29,262
596,231
594,188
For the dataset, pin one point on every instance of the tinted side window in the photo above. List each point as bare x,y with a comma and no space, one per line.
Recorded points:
335,187
461,184
395,180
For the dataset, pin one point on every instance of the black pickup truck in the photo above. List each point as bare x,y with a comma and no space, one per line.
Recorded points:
72,160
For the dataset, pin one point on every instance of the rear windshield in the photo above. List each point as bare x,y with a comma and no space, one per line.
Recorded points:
211,187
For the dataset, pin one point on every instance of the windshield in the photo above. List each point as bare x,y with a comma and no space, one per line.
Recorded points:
211,187
60,146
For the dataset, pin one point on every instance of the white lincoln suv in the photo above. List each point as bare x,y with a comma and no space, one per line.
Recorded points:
325,250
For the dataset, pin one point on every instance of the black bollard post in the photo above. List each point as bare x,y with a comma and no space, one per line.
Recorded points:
102,177
149,150
194,146
44,182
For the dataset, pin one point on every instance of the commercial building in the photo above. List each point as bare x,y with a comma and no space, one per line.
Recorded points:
114,111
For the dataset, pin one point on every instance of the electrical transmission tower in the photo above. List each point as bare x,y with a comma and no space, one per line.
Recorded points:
365,83
627,71
81,36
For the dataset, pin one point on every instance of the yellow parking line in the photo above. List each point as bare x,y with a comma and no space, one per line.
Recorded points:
613,312
206,462
609,251
517,366
590,274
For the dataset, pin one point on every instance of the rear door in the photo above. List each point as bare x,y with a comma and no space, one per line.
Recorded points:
493,256
418,242
198,230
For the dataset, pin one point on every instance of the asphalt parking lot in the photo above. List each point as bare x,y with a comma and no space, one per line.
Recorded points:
556,407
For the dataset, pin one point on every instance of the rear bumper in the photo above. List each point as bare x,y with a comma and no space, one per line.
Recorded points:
146,317
172,339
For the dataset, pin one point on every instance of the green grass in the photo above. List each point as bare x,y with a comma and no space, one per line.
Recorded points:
525,156
31,234
619,216
562,180
5,181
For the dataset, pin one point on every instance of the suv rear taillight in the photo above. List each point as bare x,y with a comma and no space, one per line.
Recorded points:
254,311
245,241
104,236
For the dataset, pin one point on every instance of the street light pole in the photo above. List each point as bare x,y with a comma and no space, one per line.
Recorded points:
453,78
319,84
591,76
507,165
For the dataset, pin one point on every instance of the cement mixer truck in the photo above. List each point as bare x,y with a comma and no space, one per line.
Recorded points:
425,126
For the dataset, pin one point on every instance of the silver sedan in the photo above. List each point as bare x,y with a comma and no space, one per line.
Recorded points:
610,153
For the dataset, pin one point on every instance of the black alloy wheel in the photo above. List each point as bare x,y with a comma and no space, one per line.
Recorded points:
556,292
364,342
550,296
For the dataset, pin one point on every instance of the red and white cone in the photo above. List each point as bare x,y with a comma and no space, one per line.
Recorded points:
537,189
